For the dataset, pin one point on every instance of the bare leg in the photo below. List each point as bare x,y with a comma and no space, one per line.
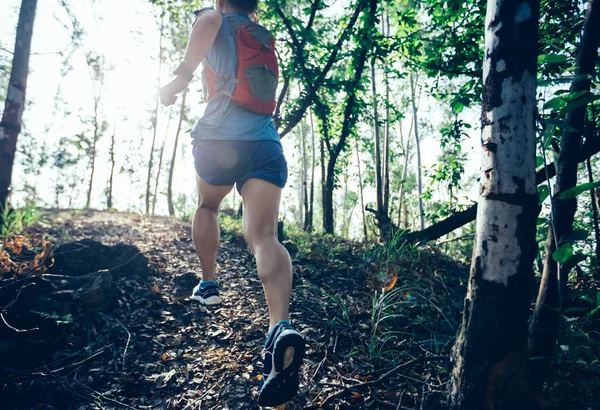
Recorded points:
205,228
261,209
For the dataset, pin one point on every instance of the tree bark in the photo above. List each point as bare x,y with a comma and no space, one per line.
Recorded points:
174,156
413,85
405,170
10,127
98,131
154,122
377,143
494,325
160,161
544,331
324,208
109,198
360,185
304,177
594,209
308,221
386,138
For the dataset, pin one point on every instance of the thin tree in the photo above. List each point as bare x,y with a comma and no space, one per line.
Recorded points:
160,160
404,169
308,221
109,196
154,118
548,309
174,156
360,186
97,67
413,100
493,333
377,141
303,203
10,127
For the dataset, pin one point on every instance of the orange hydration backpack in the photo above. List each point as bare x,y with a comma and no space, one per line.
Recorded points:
257,73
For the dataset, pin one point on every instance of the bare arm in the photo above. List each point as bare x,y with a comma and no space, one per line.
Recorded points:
201,40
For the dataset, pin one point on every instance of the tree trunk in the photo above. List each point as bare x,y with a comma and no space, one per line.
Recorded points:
386,138
308,221
413,87
547,314
154,122
360,185
10,127
303,183
594,192
323,183
493,334
594,209
93,153
378,184
174,156
328,222
405,168
386,151
160,160
109,199
383,221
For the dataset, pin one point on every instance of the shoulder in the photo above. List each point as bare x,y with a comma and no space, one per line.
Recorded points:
209,16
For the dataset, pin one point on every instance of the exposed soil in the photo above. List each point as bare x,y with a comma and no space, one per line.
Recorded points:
122,332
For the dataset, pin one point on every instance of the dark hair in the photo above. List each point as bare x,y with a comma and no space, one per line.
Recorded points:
245,6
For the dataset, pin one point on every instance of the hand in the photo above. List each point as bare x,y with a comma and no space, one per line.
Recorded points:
167,97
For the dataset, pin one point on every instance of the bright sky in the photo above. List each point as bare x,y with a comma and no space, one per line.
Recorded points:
126,33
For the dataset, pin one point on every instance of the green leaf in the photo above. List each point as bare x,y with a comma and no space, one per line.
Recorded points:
563,253
564,79
588,300
539,161
555,104
543,193
576,235
572,261
581,101
577,190
541,221
557,123
594,312
551,59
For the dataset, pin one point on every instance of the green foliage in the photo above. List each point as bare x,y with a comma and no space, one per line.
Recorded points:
578,190
14,221
563,252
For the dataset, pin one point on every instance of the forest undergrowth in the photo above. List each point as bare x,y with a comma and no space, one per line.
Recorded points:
95,314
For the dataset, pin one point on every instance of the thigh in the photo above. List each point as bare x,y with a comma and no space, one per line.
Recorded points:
210,196
263,160
261,208
217,162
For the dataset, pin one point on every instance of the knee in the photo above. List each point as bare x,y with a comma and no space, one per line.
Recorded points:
259,237
204,206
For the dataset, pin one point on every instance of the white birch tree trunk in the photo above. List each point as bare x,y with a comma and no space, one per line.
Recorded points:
493,334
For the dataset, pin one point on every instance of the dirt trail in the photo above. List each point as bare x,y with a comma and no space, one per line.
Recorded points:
160,350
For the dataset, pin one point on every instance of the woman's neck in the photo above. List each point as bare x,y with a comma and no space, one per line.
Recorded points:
229,9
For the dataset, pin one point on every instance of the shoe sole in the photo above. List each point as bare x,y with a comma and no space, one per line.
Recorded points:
209,301
283,386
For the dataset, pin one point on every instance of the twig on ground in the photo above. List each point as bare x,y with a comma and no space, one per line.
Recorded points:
126,344
87,359
101,395
14,328
391,372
